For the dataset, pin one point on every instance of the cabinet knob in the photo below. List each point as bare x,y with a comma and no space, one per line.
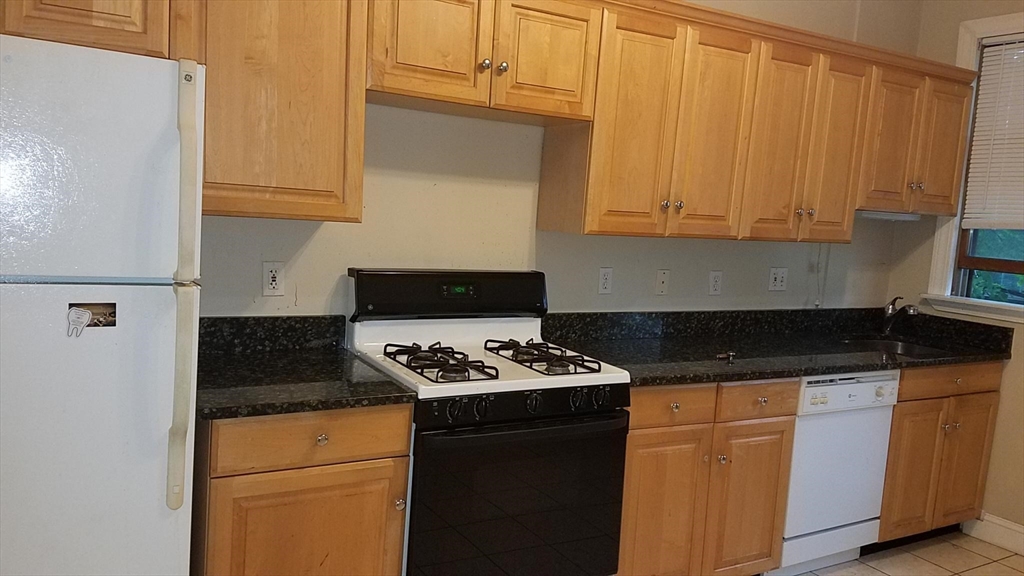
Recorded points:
920,186
799,211
321,440
706,458
486,64
400,504
763,400
811,212
946,427
912,185
958,381
723,459
665,204
679,204
674,406
957,425
503,67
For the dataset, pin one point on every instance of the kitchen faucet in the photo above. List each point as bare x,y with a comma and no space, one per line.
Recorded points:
891,312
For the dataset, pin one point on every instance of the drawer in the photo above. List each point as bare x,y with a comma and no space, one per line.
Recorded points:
653,406
280,442
757,399
939,381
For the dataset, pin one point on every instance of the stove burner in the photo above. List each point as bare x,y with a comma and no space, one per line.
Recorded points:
542,357
453,373
558,366
439,363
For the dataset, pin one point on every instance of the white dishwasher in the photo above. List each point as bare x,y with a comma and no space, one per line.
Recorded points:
839,453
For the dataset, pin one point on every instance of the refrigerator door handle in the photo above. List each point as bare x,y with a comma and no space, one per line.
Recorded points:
189,204
187,296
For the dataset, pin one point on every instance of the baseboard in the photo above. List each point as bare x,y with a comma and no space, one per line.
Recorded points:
998,531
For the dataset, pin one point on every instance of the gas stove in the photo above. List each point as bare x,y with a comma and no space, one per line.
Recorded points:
458,333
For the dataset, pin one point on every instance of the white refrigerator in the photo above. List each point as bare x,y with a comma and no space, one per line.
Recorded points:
100,179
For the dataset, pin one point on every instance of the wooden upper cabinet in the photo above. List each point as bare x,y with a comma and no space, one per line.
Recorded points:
912,467
431,48
893,132
630,166
284,109
787,81
339,519
665,499
833,177
136,26
719,75
940,160
965,456
550,52
747,500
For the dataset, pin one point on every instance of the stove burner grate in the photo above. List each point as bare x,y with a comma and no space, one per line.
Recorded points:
439,363
542,357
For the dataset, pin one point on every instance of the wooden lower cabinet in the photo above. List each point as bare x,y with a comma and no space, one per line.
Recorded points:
664,500
339,519
747,500
938,459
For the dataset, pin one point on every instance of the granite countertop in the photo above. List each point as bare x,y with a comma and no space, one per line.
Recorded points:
234,384
682,360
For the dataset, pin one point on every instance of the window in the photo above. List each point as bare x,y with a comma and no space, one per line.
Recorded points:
990,255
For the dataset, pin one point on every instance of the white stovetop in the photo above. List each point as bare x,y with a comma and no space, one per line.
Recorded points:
467,335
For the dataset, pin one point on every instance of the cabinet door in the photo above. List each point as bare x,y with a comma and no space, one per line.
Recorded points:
432,48
965,455
665,500
285,95
630,165
137,26
747,500
840,117
550,52
339,519
714,134
893,118
912,467
940,160
779,142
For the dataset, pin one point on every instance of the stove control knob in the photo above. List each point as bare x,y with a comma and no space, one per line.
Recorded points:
480,408
454,409
577,397
600,397
533,402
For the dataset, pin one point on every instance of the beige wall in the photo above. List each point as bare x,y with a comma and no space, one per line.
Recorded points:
1004,497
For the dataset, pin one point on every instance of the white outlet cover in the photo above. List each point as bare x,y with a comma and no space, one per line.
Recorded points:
661,283
777,279
604,281
715,283
273,282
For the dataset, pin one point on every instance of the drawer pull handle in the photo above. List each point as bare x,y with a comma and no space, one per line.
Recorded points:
958,381
400,504
674,406
321,440
763,400
723,459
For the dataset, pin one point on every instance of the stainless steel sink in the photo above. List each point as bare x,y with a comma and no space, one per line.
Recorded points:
895,347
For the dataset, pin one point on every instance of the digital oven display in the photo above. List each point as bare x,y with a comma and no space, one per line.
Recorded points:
465,290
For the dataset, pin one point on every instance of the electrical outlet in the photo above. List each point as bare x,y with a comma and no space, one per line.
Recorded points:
715,283
273,283
604,281
661,283
777,279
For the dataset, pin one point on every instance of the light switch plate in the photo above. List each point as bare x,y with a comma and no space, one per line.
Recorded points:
777,279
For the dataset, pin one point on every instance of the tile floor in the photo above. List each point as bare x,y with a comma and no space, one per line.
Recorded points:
945,555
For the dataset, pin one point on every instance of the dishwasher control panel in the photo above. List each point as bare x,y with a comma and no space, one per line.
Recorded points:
848,392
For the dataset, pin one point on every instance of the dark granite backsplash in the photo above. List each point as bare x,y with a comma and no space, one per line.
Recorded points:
247,334
710,324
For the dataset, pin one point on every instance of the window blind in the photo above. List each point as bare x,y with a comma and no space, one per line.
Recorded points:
995,171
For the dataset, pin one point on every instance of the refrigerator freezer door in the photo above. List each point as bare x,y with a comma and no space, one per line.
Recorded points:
85,412
90,155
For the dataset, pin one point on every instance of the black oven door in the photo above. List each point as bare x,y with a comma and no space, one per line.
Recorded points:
531,498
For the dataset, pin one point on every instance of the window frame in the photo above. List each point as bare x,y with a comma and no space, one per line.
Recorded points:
951,260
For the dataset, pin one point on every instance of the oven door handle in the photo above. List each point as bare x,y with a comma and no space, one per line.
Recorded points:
561,428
